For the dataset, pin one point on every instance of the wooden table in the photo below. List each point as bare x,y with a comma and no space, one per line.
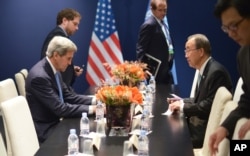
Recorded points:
169,137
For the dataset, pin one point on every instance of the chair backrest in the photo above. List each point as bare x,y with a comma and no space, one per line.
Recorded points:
238,90
224,146
222,96
2,146
21,129
24,72
20,78
7,91
194,84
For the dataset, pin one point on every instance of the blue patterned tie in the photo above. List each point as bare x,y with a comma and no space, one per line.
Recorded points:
57,75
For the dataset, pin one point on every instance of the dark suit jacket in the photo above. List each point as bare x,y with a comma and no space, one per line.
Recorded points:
152,40
243,109
44,101
69,74
198,109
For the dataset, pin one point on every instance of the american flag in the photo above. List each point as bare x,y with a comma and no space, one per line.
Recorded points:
104,45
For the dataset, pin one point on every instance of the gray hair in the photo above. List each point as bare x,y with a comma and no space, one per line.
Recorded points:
201,41
61,45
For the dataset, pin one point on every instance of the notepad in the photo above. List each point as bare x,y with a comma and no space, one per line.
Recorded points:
153,63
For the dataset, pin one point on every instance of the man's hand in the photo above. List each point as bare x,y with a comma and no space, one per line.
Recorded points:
215,139
78,70
244,129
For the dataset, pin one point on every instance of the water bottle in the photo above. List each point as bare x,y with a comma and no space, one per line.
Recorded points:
99,114
84,124
73,143
152,83
147,106
145,121
143,144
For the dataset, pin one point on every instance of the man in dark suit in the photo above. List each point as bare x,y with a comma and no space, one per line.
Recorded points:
154,39
235,18
213,76
49,99
67,24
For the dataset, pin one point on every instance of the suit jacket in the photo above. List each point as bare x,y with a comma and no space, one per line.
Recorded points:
152,40
243,109
197,110
69,74
43,98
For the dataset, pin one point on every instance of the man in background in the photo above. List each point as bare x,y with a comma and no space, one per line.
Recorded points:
67,24
48,97
154,40
235,18
212,76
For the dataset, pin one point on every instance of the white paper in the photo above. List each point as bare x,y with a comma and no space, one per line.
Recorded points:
168,112
138,109
134,140
176,97
96,139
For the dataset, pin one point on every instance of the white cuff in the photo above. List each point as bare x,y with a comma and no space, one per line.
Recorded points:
181,106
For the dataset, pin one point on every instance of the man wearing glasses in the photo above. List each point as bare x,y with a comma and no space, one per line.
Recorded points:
212,76
235,18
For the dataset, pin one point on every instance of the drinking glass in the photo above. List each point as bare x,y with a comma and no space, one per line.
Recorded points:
127,148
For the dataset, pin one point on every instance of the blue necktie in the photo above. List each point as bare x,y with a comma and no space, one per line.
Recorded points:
57,75
169,40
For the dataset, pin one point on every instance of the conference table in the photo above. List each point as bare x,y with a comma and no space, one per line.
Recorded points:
169,137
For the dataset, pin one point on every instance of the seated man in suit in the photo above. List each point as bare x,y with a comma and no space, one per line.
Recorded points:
49,98
213,75
235,19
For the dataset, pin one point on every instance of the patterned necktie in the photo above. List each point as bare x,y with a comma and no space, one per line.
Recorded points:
57,76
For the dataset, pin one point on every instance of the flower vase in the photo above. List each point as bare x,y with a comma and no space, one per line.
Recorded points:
118,119
129,83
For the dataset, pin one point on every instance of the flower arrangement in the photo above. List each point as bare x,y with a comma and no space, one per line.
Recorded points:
119,95
129,72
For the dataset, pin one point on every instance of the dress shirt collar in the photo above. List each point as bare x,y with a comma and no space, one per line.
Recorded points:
159,21
63,30
51,65
204,65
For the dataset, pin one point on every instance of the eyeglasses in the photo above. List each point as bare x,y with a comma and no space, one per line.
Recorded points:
232,27
189,50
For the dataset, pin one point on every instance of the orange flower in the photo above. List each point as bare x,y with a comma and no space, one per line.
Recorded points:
119,95
129,71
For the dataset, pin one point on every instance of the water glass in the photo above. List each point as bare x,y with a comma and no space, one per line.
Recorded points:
88,147
127,148
100,128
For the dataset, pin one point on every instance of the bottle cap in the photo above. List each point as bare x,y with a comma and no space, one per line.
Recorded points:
72,131
84,114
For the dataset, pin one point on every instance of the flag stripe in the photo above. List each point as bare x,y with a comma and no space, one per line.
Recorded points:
104,45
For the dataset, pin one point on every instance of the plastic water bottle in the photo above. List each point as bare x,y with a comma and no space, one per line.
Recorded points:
84,124
99,115
73,143
145,121
152,83
143,144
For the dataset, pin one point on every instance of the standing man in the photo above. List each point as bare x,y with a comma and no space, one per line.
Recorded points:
235,18
48,97
154,39
67,24
212,76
